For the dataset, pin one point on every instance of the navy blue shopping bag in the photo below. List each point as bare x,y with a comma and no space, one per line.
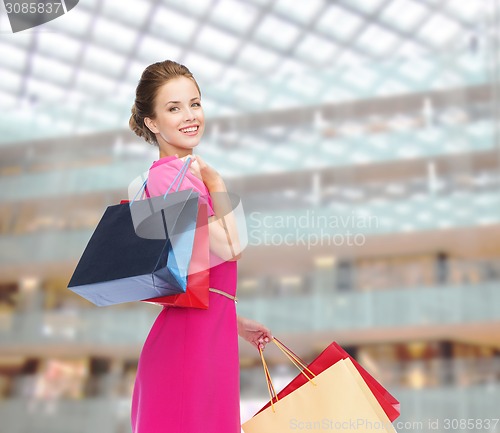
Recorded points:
122,264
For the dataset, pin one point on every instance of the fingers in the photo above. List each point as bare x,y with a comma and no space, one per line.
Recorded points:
194,167
262,341
192,157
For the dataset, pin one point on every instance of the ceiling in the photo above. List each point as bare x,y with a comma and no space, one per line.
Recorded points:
77,73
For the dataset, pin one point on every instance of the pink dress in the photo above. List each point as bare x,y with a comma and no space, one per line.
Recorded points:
188,378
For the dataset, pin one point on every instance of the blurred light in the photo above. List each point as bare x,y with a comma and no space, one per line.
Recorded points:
416,378
395,188
325,261
134,14
222,44
301,11
234,15
250,52
277,32
439,30
29,284
404,14
13,57
291,280
385,39
77,23
109,32
316,49
362,77
248,283
344,22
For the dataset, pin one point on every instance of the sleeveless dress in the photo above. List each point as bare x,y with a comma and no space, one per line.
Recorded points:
188,377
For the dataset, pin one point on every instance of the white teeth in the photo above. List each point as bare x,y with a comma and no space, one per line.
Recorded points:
193,129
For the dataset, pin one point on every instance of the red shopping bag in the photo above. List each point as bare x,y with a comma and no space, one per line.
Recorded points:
197,293
331,355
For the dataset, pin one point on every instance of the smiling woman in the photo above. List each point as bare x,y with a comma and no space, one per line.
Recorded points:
177,124
167,100
188,372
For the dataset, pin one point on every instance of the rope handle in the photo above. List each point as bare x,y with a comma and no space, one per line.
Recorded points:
292,353
182,172
293,358
270,387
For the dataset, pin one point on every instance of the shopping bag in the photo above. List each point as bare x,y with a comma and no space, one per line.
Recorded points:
159,177
336,399
147,213
197,294
162,174
120,266
332,354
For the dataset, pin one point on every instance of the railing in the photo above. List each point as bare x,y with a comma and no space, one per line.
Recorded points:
438,410
412,376
367,310
421,306
336,225
65,416
328,152
389,216
97,326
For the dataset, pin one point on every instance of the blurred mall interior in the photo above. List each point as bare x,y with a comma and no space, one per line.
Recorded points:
363,139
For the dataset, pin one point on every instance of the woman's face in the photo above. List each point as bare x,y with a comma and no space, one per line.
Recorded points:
179,120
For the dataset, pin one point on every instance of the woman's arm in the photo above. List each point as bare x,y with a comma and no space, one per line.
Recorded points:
254,332
222,227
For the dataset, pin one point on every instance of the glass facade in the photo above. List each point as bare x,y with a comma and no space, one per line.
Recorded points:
363,139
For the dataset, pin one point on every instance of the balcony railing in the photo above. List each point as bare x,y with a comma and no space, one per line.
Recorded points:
422,306
335,225
438,410
377,309
310,150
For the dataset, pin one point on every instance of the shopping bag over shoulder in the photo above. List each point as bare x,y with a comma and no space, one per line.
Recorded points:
119,266
332,354
197,294
337,399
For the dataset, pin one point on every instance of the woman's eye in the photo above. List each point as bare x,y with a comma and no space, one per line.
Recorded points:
197,104
173,108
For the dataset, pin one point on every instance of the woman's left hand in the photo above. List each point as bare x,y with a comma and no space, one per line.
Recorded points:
203,171
254,332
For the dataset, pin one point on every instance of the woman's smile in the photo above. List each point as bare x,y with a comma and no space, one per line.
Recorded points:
190,130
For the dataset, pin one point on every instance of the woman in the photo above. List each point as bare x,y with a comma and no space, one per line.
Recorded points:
188,372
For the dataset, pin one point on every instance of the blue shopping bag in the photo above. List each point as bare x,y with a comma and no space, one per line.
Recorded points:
121,264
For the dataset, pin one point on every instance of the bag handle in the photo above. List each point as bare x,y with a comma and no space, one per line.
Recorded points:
182,172
292,353
292,357
269,382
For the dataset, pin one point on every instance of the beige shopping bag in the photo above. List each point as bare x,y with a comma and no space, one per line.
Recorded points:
337,399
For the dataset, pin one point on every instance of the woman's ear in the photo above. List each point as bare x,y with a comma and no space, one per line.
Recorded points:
151,125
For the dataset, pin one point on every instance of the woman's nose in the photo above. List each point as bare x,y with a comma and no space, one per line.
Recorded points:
189,114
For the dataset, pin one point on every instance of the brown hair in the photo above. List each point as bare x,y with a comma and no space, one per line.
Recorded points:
153,77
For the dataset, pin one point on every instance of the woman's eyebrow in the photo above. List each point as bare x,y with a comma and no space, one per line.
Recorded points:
178,102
